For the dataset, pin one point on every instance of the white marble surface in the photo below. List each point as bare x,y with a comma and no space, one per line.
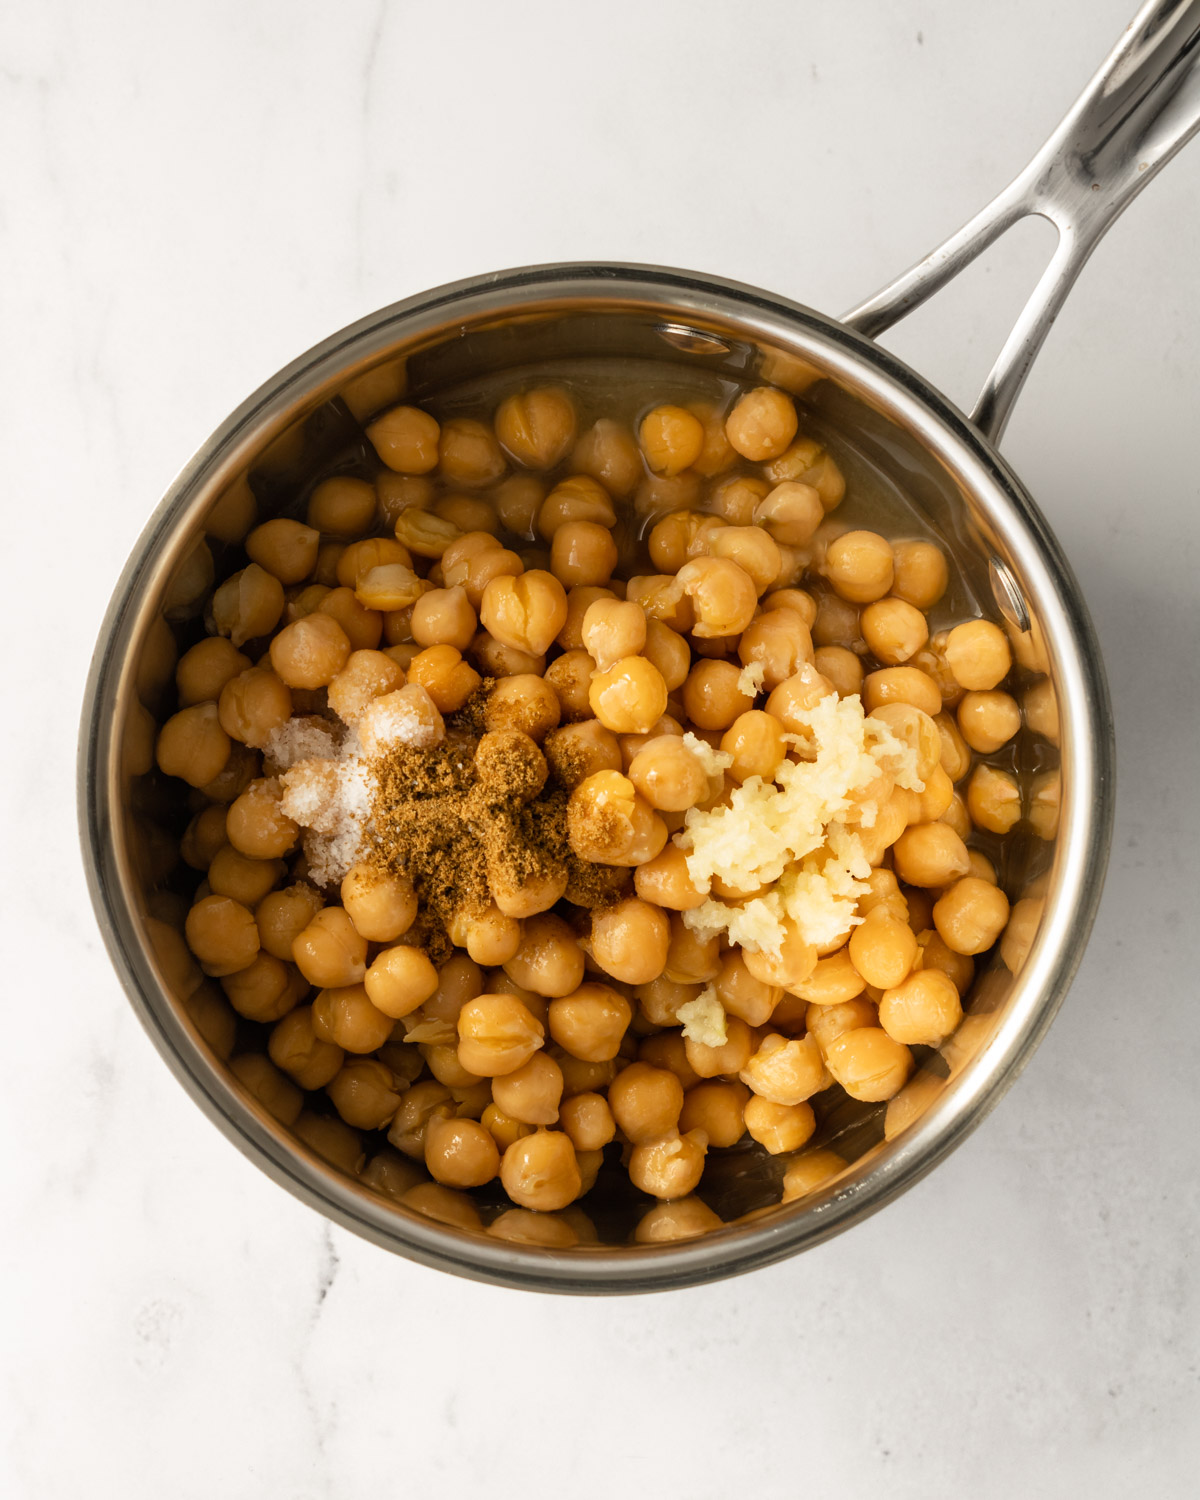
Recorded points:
195,194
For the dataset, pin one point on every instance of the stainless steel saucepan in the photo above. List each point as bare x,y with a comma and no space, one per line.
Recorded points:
884,420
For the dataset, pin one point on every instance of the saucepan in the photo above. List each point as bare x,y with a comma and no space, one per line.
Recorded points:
1138,110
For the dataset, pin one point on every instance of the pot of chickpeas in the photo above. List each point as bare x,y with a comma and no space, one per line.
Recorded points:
597,778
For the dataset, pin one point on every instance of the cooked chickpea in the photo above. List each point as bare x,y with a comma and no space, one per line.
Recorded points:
971,915
443,1205
713,696
836,622
193,746
841,667
631,940
780,641
329,951
524,702
502,1128
791,966
222,934
400,980
785,1070
253,705
921,575
929,854
245,880
445,676
791,513
717,1108
406,439
203,671
955,758
668,775
278,1095
645,1101
363,627
893,630
883,948
578,751
569,676
286,549
549,960
1045,802
587,1120
444,617
495,659
869,1064
364,1093
607,453
668,651
671,1166
753,549
525,613
978,654
247,605
810,1172
993,800
342,507
988,720
306,1058
755,740
681,1219
779,1127
541,1171
665,881
536,428
612,630
497,1035
723,595
576,498
762,424
957,816
736,499
582,553
343,1014
460,1153
907,685
690,959
922,1011
491,937
726,1060
629,697
468,453
860,566
310,652
671,439
590,1022
827,1022
366,676
1041,710
531,1093
281,916
255,823
204,835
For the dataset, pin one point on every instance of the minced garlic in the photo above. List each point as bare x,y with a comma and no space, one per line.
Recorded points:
790,833
750,678
703,1019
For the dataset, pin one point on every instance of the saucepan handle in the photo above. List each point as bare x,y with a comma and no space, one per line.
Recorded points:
1138,110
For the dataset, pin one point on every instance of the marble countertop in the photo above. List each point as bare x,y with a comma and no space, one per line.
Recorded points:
196,194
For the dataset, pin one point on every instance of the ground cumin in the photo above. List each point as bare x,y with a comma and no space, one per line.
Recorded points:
473,812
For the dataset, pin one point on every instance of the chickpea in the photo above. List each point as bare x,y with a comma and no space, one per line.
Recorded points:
525,703
810,1172
342,507
417,1107
253,705
1041,710
343,1014
921,573
588,1121
659,1001
869,1064
791,966
390,1175
204,670
796,697
791,513
524,1227
366,676
929,854
755,740
988,720
607,453
786,1071
203,837
690,959
668,651
907,685
497,660
363,627
466,514
536,428
736,499
836,623
287,549
330,952
841,667
400,980
716,1107
780,1127
662,599
569,677
401,492
193,746
978,654
882,949
580,750
671,1166
582,553
310,652
860,566
281,916
579,599
827,1022
502,1128
444,617
671,439
955,758
971,915
329,557
409,715
1045,798
232,514
922,1011
712,695
762,424
957,816
526,895
549,960
541,1171
263,1081
682,1219
531,1093
630,940
613,629
781,641
445,676
723,595
497,1035
993,800
576,498
364,1093
884,890
247,605
727,1060
741,994
443,1205
222,934
667,1049
331,1139
473,560
893,630
518,500
668,775
645,1102
306,1058
629,697
468,454
525,613
665,881
406,439
245,880
590,1022
460,1153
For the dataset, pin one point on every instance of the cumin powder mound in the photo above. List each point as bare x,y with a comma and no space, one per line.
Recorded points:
474,813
